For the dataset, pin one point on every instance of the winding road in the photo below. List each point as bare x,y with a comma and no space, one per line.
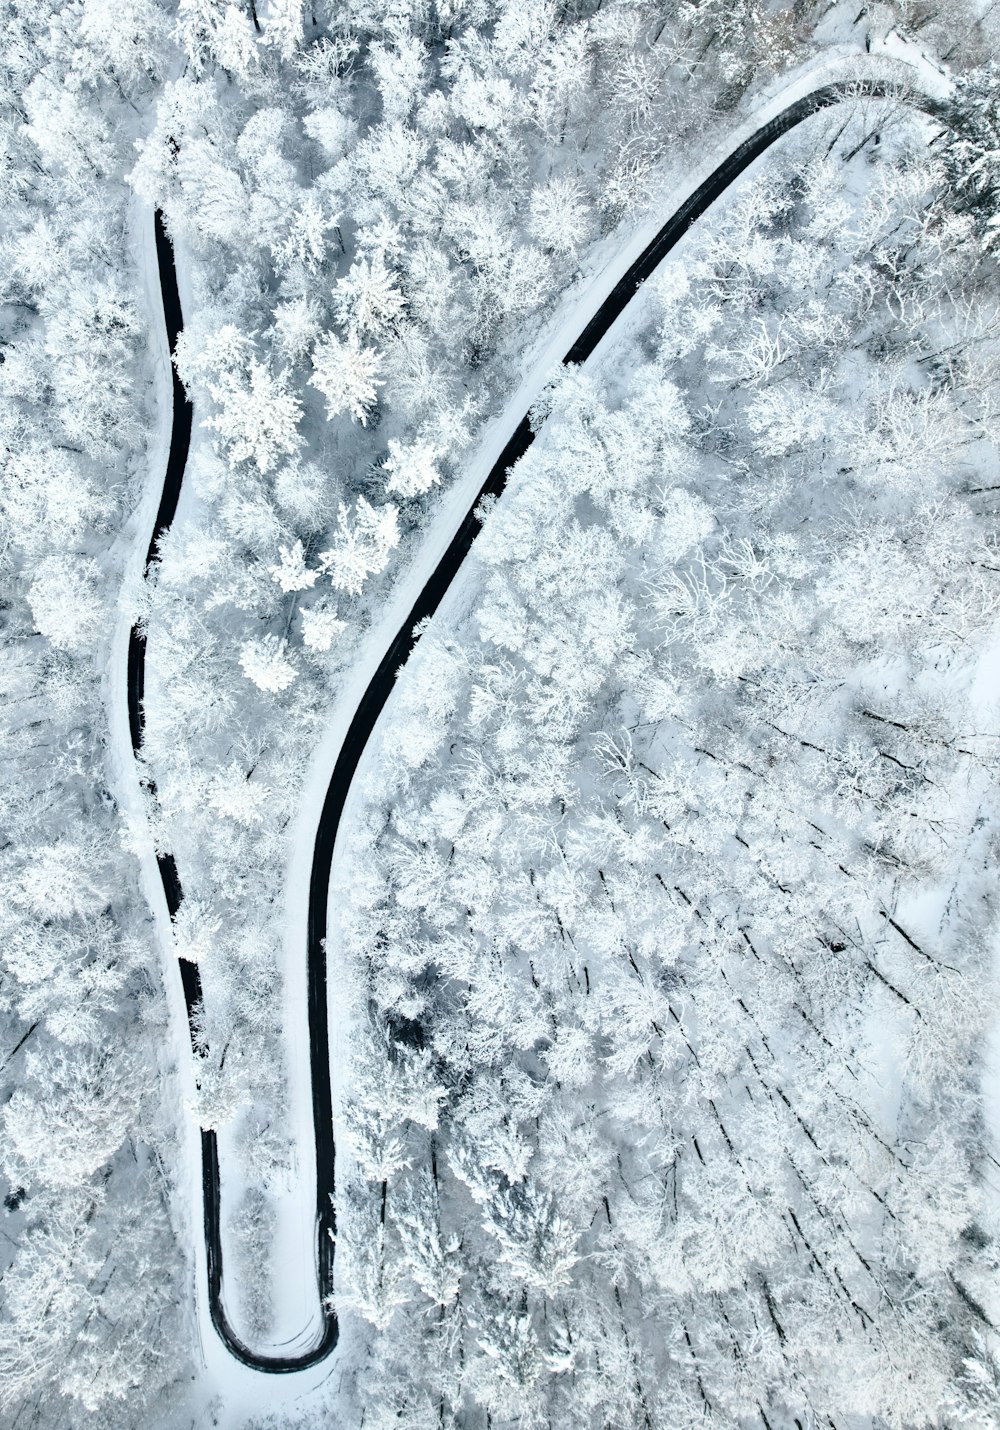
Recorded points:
372,703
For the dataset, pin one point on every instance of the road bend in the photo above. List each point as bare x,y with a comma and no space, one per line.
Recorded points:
375,697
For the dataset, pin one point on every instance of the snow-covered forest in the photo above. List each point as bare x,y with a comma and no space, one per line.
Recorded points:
661,952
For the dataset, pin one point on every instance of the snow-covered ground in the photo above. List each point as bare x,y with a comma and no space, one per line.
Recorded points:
390,224
176,1066
610,260
985,708
296,1309
451,792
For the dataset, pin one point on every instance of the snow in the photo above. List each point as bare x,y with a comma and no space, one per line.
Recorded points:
297,1316
296,1310
242,1391
595,283
593,286
176,1066
905,62
985,704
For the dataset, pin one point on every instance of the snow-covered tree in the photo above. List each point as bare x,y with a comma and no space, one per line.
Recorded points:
292,573
367,300
560,216
265,662
65,601
196,928
361,546
258,416
346,373
320,627
219,31
305,240
972,149
411,471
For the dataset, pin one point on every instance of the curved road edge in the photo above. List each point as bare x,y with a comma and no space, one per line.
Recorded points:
381,684
180,441
374,700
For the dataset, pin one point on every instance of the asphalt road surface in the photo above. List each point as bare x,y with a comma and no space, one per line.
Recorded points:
370,707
